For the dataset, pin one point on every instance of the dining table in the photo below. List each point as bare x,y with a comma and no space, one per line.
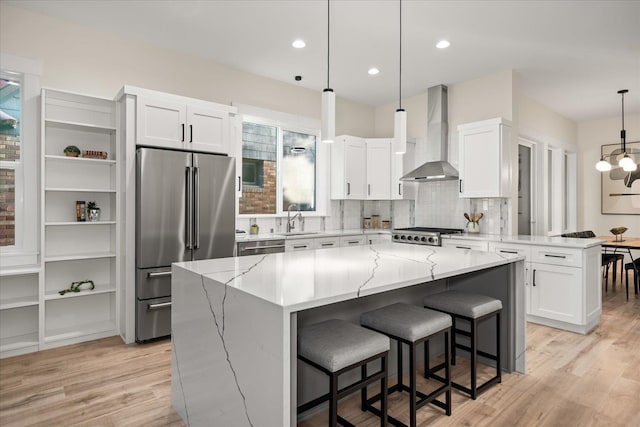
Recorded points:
624,244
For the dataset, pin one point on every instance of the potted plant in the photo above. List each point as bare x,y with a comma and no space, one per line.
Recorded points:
94,211
71,151
473,224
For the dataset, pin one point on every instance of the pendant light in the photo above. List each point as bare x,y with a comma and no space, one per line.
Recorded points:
328,130
626,162
400,120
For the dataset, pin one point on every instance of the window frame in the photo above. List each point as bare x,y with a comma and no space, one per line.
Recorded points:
290,123
27,225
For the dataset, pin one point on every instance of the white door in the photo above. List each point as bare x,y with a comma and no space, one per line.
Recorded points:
379,169
160,123
355,169
556,292
208,129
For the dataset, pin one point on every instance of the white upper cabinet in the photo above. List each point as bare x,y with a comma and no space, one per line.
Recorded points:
348,168
400,165
208,129
364,169
485,164
171,121
378,168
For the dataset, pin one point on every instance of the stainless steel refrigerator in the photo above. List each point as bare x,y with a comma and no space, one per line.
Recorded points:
185,210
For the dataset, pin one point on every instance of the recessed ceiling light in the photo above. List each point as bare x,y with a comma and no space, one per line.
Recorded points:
373,71
443,44
298,43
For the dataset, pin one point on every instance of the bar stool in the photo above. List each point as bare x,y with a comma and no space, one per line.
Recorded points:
472,308
411,325
335,347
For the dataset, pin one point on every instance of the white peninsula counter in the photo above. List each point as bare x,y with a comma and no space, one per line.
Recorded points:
234,320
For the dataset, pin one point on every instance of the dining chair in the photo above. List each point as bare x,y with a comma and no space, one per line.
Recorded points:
635,267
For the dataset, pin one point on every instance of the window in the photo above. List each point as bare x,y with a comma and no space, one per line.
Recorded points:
19,174
280,166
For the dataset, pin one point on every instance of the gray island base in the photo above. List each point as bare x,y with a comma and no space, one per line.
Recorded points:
234,320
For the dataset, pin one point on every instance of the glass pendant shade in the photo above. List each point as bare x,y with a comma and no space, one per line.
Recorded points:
603,166
627,164
400,132
328,130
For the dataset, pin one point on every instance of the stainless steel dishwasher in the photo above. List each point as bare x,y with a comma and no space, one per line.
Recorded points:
260,247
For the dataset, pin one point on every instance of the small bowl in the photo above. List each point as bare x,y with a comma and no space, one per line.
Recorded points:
618,230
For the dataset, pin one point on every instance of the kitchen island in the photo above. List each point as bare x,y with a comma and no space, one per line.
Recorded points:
234,320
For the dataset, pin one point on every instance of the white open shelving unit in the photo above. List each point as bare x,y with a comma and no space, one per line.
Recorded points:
71,250
19,306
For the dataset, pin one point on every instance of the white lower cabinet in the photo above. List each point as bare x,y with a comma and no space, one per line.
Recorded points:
291,245
556,292
561,284
326,243
298,245
373,239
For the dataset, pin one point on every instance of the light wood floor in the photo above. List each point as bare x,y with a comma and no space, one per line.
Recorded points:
572,380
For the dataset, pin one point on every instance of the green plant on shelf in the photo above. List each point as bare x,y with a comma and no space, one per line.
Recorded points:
71,151
78,286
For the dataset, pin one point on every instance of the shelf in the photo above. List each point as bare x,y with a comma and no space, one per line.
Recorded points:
79,190
80,330
63,124
86,255
83,223
18,342
8,303
99,289
80,160
19,271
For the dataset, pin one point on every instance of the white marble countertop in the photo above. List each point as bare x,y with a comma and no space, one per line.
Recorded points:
246,237
306,279
567,242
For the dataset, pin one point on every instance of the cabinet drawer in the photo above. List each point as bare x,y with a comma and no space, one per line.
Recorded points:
511,249
327,243
556,256
298,245
476,245
352,240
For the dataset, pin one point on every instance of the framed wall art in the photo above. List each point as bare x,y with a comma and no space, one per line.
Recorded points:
620,190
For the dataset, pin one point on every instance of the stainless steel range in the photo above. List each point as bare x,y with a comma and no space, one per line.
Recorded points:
422,235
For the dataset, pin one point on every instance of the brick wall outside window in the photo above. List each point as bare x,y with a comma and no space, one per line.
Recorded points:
256,200
7,207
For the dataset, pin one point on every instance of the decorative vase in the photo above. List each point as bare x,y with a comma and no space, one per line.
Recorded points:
94,215
473,227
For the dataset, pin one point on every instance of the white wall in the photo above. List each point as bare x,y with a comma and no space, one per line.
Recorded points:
591,136
80,59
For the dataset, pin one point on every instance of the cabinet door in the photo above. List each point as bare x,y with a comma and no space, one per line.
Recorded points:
556,292
355,168
208,129
160,123
378,169
352,240
327,243
485,165
468,244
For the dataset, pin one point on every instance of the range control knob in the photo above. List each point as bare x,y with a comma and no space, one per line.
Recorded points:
423,239
396,237
403,237
432,240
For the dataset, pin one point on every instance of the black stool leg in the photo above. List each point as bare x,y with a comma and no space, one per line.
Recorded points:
474,357
383,390
333,400
363,390
399,365
447,373
453,339
412,384
426,359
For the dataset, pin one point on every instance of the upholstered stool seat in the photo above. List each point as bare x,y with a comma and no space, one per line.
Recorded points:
472,308
411,325
336,346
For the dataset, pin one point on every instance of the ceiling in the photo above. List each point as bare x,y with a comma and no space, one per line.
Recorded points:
572,56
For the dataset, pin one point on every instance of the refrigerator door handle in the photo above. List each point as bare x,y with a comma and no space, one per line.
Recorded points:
189,214
196,208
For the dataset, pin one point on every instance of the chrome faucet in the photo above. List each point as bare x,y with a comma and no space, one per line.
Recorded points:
291,220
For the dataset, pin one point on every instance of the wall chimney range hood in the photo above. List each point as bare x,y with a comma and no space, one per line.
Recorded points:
438,168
